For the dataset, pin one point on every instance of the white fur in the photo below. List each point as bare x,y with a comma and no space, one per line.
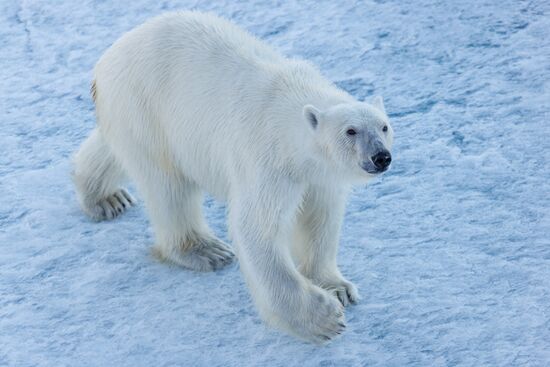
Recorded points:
190,102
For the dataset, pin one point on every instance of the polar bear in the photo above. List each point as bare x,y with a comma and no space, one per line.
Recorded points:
189,102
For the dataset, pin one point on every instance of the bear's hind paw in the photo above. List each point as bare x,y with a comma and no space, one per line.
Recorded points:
206,254
111,206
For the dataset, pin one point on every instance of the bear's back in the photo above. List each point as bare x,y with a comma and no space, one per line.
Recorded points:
191,37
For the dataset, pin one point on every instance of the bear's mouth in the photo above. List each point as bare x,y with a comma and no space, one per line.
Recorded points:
371,169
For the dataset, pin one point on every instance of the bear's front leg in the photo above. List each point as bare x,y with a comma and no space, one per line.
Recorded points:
260,221
316,237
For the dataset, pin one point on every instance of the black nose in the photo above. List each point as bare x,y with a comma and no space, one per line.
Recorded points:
381,159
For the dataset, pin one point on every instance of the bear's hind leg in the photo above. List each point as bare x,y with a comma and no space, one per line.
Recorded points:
97,176
182,236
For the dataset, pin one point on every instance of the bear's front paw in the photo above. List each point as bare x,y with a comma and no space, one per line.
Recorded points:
326,319
344,290
319,318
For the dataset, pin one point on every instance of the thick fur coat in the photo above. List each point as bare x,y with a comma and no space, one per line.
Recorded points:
189,102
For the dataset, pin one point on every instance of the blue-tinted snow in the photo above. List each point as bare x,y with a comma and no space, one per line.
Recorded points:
450,249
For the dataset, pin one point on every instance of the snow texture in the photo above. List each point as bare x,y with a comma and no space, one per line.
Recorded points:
450,249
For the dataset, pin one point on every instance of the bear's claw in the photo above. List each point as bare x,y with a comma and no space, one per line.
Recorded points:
111,206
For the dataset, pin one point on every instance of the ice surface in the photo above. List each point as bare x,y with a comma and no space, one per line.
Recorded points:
450,249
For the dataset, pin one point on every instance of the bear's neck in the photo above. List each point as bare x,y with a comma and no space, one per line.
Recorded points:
287,98
302,83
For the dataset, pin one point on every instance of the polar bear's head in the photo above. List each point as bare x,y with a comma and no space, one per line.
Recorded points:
357,137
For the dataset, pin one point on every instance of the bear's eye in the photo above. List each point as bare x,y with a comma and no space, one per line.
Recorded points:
351,132
385,128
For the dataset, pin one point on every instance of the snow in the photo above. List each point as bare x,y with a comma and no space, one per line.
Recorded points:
450,249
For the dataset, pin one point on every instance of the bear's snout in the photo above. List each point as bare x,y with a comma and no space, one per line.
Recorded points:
381,160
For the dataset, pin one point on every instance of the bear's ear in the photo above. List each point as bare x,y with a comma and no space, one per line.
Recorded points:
312,115
378,102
